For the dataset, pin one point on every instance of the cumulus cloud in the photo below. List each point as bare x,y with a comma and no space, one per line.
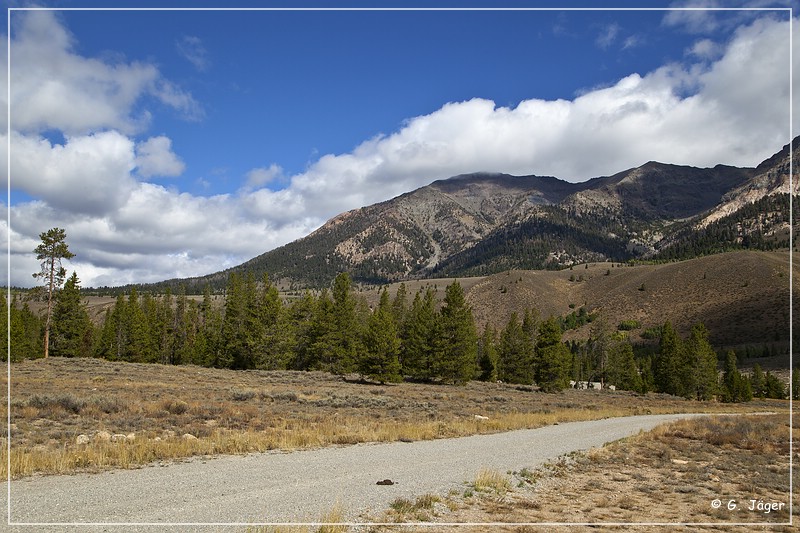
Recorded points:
154,157
47,73
262,176
730,108
89,174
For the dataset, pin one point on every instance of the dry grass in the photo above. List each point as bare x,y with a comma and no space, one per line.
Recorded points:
670,475
491,481
133,414
741,297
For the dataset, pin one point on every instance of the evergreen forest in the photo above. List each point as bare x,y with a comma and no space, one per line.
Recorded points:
404,337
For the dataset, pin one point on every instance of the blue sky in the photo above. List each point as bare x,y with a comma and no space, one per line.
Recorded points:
178,143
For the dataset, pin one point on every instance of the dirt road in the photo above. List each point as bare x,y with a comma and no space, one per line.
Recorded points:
295,487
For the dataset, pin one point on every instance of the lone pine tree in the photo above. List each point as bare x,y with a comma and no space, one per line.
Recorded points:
50,252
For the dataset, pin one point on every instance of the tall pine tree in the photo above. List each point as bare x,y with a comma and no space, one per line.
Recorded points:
552,358
379,359
72,329
459,339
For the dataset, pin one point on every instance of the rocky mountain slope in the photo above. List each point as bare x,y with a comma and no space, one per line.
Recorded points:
479,224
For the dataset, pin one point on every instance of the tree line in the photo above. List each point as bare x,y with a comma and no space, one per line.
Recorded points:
336,331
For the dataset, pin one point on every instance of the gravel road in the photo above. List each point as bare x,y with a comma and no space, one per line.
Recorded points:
294,487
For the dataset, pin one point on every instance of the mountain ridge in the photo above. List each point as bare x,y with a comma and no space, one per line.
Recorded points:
484,222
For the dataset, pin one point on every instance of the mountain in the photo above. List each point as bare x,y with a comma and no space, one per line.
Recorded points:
484,223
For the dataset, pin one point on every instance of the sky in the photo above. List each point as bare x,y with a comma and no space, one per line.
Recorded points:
177,143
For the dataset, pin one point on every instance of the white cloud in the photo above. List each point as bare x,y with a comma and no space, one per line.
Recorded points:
607,36
88,174
259,177
154,157
731,110
191,48
705,49
52,87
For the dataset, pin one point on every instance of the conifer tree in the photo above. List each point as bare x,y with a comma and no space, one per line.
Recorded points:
667,372
346,335
552,358
71,327
139,337
774,387
459,339
400,304
515,354
379,360
26,331
758,382
699,369
621,368
210,349
734,387
419,338
50,252
323,336
488,356
241,327
299,332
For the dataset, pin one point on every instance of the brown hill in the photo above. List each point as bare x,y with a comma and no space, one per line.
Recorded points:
742,297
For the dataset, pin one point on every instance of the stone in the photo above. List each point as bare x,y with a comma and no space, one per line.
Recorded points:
102,436
81,440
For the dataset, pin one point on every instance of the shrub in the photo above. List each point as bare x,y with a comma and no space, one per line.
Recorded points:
175,407
67,402
242,395
628,325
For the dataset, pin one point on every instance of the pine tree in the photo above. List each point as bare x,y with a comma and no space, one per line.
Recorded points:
210,346
50,252
552,358
515,354
419,337
667,372
274,353
459,346
346,335
758,382
621,368
699,370
323,336
599,347
734,387
26,332
299,339
400,304
379,360
240,325
488,356
774,387
139,336
72,328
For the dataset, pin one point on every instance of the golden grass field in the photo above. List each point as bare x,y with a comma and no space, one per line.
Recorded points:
130,414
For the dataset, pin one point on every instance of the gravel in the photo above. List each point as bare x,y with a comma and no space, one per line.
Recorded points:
294,487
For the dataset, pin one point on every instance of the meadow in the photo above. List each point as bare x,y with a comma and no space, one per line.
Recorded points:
86,414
